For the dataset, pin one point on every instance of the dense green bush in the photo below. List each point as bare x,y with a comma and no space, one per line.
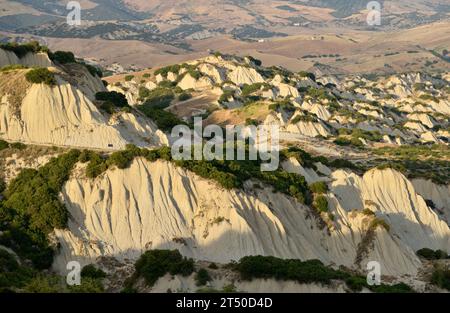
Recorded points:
319,93
17,145
321,203
430,254
357,283
428,97
397,288
90,271
213,266
32,209
202,277
3,145
156,263
319,187
164,120
249,89
93,70
378,222
308,117
96,166
159,98
341,163
12,67
144,92
184,96
44,284
116,98
21,50
167,84
225,96
2,185
284,105
255,61
12,274
441,277
62,57
307,74
88,285
129,78
165,70
355,142
313,271
41,75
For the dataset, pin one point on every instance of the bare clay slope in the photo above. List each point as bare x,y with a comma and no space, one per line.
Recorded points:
157,205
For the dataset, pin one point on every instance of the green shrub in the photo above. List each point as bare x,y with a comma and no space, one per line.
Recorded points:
266,267
342,141
62,57
356,283
225,96
167,84
17,145
307,74
428,97
144,92
430,254
164,120
284,105
378,222
116,98
108,107
397,288
202,277
12,67
41,76
213,266
231,288
93,70
321,204
341,163
419,86
12,274
2,185
249,89
304,118
165,70
97,165
32,209
156,263
251,121
88,285
368,212
159,98
129,78
90,271
3,145
184,96
254,61
320,187
44,284
20,50
441,277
